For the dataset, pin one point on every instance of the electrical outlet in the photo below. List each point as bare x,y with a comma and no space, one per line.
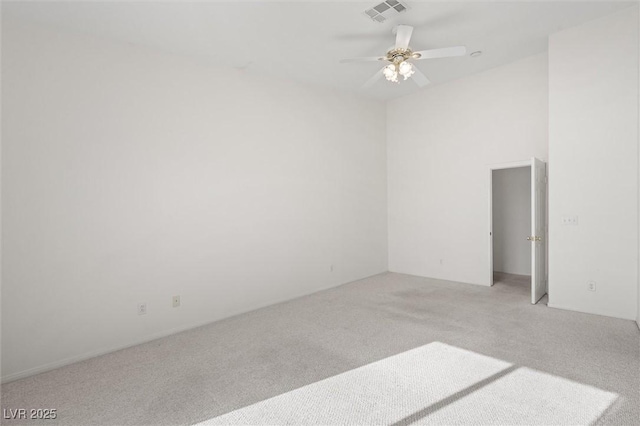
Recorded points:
142,308
591,285
570,220
176,301
331,268
441,262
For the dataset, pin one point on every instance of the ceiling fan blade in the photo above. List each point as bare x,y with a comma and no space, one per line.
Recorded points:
403,35
445,52
372,80
420,79
365,59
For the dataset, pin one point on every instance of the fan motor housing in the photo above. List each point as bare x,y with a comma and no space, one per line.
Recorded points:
399,55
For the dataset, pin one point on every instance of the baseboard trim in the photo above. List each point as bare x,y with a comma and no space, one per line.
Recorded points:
441,279
569,308
155,336
72,360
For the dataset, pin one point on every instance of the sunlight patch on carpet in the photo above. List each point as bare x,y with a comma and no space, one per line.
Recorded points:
435,383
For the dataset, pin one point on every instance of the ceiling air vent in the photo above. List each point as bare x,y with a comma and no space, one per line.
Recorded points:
385,10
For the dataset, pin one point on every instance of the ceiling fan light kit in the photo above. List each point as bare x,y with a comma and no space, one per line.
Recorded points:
399,65
399,56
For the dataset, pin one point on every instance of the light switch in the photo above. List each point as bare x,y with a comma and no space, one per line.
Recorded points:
570,220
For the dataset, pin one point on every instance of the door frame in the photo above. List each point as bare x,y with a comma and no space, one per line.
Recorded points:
492,167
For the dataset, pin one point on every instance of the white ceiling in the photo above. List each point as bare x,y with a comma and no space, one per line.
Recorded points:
304,40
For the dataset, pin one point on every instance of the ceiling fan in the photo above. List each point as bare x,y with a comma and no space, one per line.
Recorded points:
399,57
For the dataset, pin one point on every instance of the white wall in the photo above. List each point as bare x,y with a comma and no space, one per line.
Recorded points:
512,220
593,130
441,142
1,261
638,290
131,176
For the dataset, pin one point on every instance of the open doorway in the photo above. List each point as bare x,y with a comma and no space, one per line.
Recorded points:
511,225
517,228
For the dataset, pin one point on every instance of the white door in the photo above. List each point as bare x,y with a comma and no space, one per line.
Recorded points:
538,230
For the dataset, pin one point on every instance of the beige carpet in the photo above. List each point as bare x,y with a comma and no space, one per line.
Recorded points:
390,349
